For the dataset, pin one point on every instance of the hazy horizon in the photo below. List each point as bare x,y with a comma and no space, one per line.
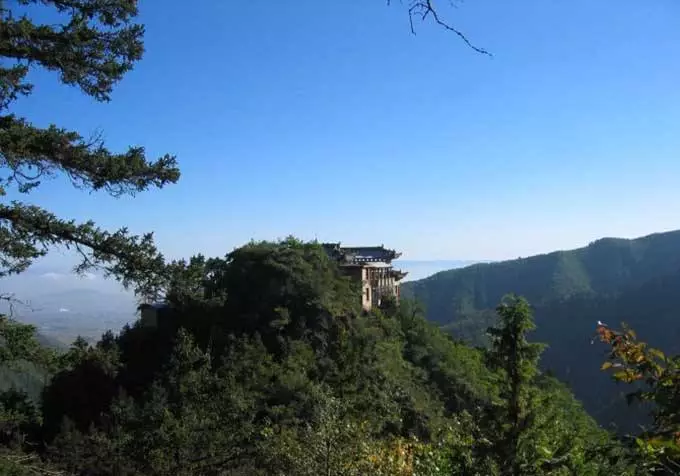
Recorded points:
64,305
53,273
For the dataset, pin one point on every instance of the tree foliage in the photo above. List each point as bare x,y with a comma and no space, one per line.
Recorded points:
18,343
534,424
517,359
91,46
656,381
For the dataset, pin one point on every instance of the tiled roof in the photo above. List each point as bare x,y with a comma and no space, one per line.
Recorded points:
360,253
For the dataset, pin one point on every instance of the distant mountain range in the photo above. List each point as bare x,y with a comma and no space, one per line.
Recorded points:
612,280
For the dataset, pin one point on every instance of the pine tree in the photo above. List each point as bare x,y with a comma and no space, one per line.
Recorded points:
96,43
517,359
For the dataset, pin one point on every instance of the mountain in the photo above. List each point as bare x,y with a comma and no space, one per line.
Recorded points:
605,266
83,300
612,280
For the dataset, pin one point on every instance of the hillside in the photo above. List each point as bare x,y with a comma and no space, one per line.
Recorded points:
612,280
603,267
650,308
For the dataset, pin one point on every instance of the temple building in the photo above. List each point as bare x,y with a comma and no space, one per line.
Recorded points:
372,267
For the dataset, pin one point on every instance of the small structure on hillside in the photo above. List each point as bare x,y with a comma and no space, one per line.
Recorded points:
372,267
150,312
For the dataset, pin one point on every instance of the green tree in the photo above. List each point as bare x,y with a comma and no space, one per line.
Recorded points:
517,359
18,344
191,420
21,464
536,426
19,418
82,389
265,366
92,47
89,44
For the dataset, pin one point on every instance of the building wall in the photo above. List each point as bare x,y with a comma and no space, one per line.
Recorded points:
375,283
382,283
149,316
360,275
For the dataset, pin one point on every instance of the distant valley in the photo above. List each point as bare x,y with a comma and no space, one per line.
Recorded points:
62,316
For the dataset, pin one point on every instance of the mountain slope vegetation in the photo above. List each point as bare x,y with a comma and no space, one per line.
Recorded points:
610,280
606,266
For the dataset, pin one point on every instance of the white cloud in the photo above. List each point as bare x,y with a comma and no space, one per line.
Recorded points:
63,309
61,276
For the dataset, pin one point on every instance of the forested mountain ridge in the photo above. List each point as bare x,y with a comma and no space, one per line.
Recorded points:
610,280
604,267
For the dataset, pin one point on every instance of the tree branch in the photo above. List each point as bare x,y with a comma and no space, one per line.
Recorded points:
92,45
26,232
422,9
87,163
12,302
93,50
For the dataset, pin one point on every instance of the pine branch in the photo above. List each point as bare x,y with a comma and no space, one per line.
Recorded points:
27,232
93,50
32,153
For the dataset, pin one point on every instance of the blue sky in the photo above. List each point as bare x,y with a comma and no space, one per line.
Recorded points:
328,119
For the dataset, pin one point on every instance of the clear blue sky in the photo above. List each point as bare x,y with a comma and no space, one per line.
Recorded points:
328,119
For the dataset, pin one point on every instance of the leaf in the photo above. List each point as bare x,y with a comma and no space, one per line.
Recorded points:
621,375
606,365
546,452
